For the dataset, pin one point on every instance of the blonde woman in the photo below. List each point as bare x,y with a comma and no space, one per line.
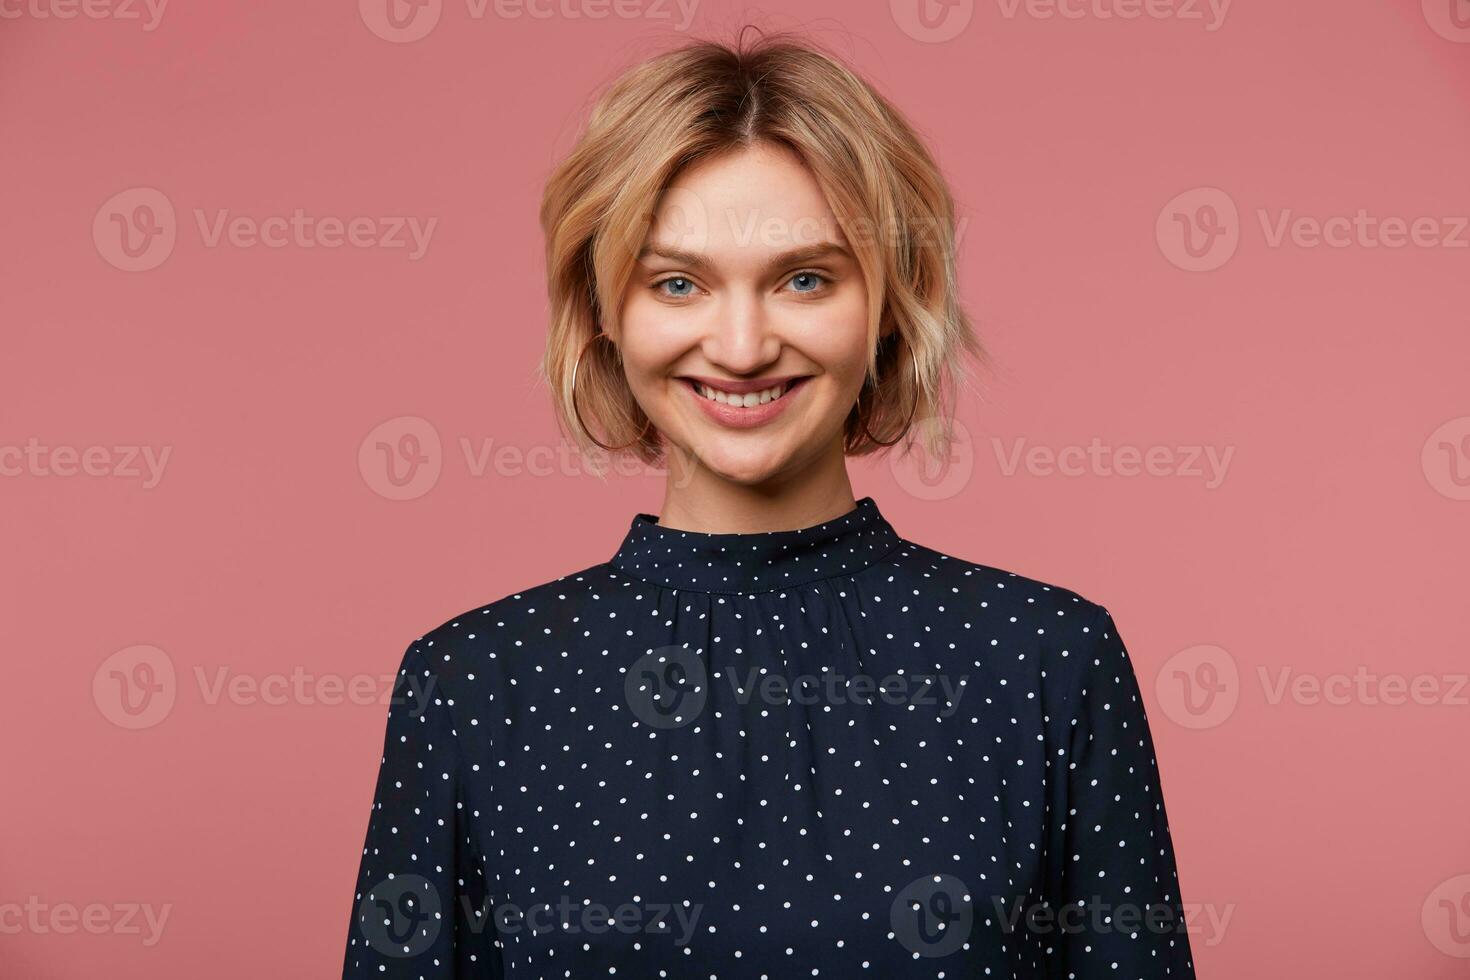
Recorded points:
768,737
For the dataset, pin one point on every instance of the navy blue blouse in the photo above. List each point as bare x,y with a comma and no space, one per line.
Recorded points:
825,752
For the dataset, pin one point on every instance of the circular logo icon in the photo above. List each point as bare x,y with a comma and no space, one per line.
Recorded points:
1199,230
1450,19
680,218
667,686
401,458
135,229
1199,686
933,915
400,21
135,687
1446,458
932,21
1446,916
927,478
401,916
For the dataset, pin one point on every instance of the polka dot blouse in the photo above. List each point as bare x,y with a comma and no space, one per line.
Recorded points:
825,752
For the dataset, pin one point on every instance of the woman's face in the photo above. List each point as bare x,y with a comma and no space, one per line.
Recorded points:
744,327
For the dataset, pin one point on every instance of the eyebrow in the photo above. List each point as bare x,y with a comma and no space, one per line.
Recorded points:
795,256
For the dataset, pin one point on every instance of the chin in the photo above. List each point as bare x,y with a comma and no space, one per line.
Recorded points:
746,465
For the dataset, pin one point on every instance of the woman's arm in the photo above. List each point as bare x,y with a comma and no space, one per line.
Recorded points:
1115,908
420,911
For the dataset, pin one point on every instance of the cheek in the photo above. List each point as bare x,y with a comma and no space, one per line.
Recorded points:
649,339
837,338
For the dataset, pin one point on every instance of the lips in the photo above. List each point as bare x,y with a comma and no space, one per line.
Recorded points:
748,399
743,404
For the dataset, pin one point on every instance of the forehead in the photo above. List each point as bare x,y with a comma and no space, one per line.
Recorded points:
749,202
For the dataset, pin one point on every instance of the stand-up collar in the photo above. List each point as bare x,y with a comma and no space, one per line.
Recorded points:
761,561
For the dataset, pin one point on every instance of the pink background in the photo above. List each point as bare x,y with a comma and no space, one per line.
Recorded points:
1330,831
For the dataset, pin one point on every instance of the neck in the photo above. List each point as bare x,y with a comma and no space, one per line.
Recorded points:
698,499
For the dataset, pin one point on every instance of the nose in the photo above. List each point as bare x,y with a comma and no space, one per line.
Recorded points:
740,338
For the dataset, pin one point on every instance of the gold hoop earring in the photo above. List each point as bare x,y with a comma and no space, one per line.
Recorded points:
578,412
912,409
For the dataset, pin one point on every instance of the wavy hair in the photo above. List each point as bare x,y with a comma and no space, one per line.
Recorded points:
882,185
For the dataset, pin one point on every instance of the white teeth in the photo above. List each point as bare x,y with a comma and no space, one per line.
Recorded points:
744,401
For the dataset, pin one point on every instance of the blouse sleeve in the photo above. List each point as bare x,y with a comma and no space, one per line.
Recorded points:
1115,909
420,911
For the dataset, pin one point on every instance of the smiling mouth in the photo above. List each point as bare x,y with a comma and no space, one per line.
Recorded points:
744,399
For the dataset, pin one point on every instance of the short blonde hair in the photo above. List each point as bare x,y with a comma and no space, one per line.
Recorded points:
883,187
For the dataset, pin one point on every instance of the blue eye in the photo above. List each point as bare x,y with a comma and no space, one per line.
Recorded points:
675,279
813,279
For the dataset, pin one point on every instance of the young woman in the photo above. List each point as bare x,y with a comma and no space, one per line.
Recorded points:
769,737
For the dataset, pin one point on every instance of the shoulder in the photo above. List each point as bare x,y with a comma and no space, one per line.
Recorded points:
1033,601
1018,622
526,619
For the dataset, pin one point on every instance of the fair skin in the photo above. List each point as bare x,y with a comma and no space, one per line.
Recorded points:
745,287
